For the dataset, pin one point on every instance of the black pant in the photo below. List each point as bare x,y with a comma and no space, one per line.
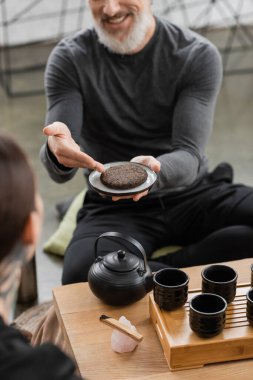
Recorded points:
213,222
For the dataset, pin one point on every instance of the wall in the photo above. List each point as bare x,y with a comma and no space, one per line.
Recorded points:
199,13
39,20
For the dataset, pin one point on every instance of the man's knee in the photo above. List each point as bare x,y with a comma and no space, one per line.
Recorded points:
78,259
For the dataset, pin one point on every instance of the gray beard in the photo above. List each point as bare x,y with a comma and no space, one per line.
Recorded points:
135,38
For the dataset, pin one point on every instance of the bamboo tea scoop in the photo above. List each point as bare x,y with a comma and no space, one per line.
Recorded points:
119,326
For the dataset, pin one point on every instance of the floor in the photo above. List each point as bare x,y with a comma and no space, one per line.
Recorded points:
23,118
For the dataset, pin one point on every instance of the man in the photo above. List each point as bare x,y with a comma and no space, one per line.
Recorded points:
20,219
139,88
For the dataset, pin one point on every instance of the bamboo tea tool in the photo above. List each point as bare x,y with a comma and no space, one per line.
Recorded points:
119,326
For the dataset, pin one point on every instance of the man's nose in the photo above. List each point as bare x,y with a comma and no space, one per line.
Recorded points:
111,7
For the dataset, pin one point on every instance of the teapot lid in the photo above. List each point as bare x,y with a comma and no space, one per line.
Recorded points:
121,261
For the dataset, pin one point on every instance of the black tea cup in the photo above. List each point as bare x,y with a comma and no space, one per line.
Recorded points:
249,307
170,288
220,279
207,314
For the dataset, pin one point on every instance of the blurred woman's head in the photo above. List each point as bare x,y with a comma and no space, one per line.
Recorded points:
20,220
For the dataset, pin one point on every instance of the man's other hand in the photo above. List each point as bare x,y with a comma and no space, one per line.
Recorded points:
153,164
149,161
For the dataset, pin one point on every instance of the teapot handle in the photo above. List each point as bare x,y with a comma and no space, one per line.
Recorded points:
126,238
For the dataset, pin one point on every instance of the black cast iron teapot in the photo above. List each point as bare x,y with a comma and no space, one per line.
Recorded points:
120,277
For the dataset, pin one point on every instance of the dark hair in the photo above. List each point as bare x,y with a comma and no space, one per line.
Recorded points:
17,193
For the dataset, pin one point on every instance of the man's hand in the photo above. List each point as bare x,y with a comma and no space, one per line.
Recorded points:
66,150
153,164
149,161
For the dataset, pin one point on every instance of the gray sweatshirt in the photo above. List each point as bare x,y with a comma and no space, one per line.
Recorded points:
159,101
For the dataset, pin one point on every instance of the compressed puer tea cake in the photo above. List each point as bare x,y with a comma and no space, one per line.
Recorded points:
124,177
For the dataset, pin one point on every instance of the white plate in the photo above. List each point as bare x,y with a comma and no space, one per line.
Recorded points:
96,184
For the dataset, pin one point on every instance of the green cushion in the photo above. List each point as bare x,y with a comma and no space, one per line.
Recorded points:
165,251
59,241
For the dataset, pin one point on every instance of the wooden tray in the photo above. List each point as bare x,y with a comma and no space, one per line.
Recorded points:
183,349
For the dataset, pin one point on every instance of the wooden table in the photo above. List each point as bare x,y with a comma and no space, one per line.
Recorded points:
78,311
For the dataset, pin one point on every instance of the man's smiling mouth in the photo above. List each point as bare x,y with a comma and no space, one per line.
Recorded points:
117,19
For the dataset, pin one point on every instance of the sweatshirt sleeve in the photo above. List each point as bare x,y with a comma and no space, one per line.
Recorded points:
64,104
19,360
192,119
56,171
